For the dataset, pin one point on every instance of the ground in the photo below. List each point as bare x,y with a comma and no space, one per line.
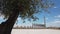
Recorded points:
35,31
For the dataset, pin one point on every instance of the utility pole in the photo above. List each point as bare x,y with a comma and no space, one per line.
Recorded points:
44,21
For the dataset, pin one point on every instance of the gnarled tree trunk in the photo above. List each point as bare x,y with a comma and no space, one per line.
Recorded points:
7,26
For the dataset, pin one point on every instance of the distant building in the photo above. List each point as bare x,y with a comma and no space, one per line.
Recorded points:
38,26
34,26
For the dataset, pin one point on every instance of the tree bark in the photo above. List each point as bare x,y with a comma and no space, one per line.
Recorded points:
8,24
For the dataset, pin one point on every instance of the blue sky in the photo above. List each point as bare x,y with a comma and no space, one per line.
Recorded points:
52,19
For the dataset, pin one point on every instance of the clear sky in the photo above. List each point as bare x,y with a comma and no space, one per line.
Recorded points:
52,19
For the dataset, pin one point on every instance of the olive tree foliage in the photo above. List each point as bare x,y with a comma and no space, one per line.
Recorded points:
26,8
